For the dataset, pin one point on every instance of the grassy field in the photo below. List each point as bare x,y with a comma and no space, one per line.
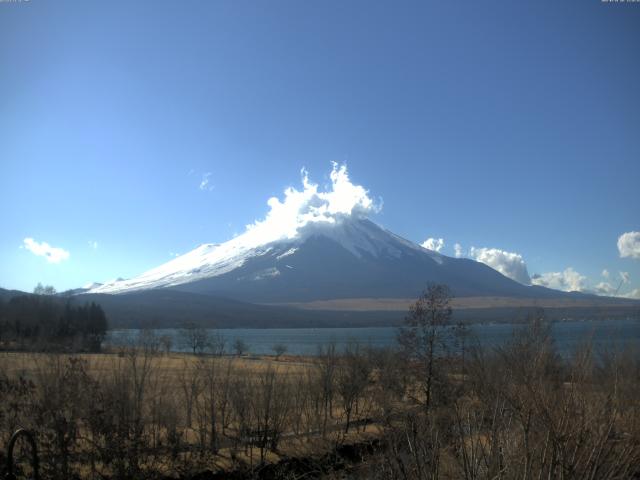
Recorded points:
195,412
517,412
402,304
171,366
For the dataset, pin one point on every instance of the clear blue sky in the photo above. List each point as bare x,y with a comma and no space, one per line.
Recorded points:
500,124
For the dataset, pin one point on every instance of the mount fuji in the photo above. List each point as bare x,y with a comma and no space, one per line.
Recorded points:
350,258
317,259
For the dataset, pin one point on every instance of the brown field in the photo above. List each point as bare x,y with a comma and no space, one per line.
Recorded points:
521,412
171,366
402,304
173,395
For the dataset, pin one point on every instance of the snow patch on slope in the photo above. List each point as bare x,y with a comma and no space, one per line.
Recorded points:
291,251
207,260
266,273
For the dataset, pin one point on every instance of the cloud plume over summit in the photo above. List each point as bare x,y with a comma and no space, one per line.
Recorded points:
311,206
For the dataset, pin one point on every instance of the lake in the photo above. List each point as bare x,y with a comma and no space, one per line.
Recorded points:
606,334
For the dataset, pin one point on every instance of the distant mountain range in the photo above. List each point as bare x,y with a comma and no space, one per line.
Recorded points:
352,258
351,272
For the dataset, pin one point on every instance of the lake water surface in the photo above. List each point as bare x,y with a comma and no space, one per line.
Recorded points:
606,334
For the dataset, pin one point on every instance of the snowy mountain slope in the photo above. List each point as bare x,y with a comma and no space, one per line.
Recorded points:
359,237
323,260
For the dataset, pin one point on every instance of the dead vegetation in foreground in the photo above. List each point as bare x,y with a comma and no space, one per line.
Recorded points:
519,412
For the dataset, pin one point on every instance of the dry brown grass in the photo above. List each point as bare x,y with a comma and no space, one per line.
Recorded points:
520,412
171,364
147,412
402,304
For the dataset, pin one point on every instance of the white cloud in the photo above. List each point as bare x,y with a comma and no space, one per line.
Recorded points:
435,244
605,288
635,293
93,244
52,254
509,264
569,280
629,245
205,183
309,206
605,273
457,248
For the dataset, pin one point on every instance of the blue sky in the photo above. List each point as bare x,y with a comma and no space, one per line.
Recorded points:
496,125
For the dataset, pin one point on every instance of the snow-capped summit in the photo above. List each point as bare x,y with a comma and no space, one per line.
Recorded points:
315,245
350,258
288,222
360,237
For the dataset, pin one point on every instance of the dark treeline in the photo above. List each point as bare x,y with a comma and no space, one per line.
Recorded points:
49,322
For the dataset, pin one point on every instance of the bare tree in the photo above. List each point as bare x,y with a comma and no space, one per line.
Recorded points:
147,340
166,342
240,347
217,343
195,338
424,333
44,289
191,386
326,370
352,380
270,404
279,349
